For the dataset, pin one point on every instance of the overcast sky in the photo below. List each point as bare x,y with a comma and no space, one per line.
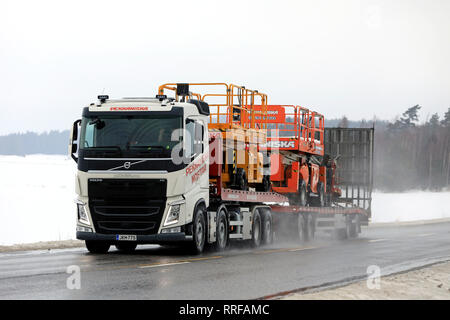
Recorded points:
358,58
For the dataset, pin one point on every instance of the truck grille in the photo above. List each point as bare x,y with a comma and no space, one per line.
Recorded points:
133,206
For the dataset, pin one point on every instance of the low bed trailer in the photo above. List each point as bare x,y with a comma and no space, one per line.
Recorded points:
273,215
262,217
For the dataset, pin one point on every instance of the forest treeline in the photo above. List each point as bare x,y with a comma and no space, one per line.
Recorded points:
408,154
53,142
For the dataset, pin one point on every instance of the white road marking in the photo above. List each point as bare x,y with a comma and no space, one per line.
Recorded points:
377,240
425,234
162,265
300,249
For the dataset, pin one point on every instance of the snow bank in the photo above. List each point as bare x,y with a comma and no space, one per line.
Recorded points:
37,200
37,195
410,206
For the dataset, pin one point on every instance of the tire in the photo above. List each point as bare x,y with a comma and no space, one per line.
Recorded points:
126,247
303,195
198,231
267,227
340,234
352,229
256,229
321,195
241,179
221,230
97,246
301,228
265,184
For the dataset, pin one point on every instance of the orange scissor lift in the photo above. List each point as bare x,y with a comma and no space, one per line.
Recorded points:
296,145
237,130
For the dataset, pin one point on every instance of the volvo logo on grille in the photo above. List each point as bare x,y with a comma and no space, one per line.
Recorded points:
127,165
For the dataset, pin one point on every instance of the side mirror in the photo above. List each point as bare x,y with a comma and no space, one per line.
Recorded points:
73,145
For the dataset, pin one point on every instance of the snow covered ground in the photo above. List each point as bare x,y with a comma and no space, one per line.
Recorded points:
37,195
410,206
37,200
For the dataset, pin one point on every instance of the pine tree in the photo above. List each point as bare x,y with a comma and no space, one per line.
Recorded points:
343,123
408,119
434,120
446,121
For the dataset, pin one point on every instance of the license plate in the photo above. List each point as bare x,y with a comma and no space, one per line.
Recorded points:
126,237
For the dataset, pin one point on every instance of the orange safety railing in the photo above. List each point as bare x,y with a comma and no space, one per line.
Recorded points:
316,128
288,121
304,129
237,108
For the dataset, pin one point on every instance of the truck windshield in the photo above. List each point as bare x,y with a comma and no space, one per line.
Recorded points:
130,135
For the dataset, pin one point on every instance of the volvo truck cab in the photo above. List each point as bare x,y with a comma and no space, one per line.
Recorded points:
142,172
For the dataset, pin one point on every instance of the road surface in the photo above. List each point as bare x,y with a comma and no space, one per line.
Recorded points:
154,272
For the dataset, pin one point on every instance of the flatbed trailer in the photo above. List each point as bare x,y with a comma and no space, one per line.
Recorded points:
262,217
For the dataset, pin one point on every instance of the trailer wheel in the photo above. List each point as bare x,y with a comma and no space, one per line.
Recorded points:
352,228
256,229
126,247
221,231
341,233
97,246
267,230
198,231
351,231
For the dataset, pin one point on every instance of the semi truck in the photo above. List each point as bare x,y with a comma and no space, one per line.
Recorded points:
204,169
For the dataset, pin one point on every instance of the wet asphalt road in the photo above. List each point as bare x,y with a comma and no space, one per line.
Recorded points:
154,272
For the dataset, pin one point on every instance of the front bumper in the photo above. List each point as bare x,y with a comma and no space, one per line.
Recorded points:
141,239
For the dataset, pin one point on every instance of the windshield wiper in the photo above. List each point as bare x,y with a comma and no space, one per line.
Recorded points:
149,148
105,149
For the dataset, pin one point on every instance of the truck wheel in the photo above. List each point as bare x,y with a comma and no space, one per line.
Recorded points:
97,246
267,230
256,229
126,247
221,231
303,196
198,231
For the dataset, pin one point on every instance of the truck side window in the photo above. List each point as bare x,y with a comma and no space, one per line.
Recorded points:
194,140
198,142
190,138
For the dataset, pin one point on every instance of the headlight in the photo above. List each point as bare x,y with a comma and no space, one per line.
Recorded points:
82,214
173,214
